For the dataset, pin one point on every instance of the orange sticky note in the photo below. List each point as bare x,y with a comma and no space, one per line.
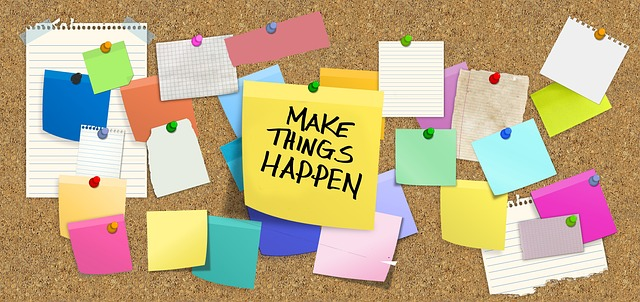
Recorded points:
145,111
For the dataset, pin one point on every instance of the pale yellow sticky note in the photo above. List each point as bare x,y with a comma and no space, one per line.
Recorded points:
176,239
472,216
354,79
311,157
78,201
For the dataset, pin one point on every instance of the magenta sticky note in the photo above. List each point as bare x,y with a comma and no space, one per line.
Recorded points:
358,254
450,84
97,251
576,195
293,36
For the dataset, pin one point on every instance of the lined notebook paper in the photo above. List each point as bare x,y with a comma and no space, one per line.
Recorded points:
508,273
412,78
100,157
49,156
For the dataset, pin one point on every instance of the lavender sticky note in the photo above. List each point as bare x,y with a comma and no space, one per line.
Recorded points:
450,85
391,200
549,237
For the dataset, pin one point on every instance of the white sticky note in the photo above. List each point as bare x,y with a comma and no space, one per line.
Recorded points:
583,63
175,159
100,156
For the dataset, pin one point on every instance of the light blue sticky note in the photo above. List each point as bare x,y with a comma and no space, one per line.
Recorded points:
232,252
232,153
232,103
391,200
516,162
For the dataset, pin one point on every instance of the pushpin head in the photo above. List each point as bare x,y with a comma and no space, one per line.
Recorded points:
271,27
505,133
571,221
594,180
103,133
196,40
105,47
494,78
313,86
76,78
406,40
428,133
600,34
112,228
94,182
172,126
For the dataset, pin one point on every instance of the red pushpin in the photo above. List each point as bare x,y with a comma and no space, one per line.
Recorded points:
94,181
494,78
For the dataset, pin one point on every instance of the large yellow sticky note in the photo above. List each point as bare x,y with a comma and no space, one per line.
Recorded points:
78,201
354,79
472,216
311,157
176,239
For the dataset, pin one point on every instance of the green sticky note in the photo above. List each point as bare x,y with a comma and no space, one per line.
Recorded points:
232,252
108,70
562,109
426,162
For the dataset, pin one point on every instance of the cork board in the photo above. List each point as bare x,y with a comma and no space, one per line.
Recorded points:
512,36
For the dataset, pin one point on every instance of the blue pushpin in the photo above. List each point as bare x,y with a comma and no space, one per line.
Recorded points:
271,27
505,133
103,133
594,180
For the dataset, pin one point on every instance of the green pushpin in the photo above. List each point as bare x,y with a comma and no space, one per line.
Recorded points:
313,86
172,126
571,220
428,133
406,40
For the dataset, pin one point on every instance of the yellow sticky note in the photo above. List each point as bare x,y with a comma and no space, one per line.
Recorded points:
78,201
176,239
311,157
354,79
472,216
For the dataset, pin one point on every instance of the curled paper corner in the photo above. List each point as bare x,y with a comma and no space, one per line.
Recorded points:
44,24
149,35
390,262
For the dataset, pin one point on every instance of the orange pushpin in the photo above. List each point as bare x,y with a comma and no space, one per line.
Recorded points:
112,228
599,34
105,47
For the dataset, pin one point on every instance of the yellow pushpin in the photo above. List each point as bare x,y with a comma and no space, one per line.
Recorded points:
105,47
112,228
599,34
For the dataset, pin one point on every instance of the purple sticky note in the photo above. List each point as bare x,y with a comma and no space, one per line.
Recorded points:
279,237
450,84
391,200
575,195
549,237
96,249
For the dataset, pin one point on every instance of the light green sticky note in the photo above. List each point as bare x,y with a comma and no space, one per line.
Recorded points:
426,162
108,70
562,109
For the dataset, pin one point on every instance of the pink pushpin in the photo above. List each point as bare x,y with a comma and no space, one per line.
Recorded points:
197,40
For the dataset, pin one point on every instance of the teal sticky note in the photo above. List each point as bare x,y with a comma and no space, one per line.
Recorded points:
232,153
426,162
109,70
232,252
516,162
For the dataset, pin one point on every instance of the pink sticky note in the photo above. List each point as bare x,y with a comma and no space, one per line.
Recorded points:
575,195
450,84
96,250
358,254
293,36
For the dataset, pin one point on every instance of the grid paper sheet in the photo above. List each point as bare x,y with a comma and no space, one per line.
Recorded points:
186,71
100,157
49,156
412,78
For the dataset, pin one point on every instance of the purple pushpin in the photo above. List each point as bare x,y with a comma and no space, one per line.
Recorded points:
197,40
594,180
505,133
103,133
271,27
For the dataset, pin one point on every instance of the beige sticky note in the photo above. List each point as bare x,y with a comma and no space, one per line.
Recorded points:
483,108
176,239
78,201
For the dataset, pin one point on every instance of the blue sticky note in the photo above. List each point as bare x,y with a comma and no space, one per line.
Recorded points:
516,162
67,106
281,237
391,200
232,252
232,103
232,153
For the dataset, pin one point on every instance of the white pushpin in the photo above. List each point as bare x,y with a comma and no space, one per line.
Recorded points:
390,262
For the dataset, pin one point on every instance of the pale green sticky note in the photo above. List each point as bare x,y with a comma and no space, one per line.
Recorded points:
108,70
426,162
562,109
